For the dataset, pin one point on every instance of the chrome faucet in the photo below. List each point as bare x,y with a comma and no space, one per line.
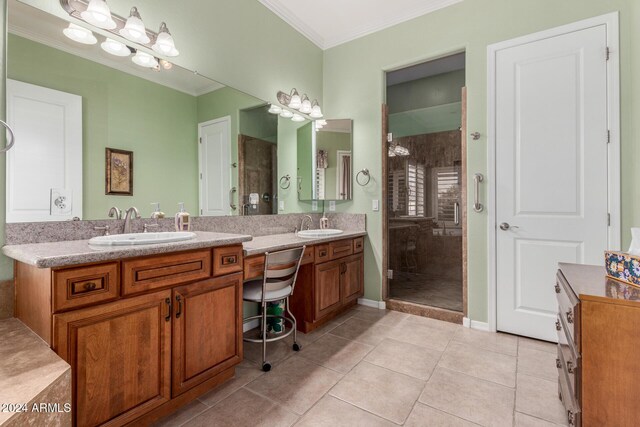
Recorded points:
302,222
127,218
114,211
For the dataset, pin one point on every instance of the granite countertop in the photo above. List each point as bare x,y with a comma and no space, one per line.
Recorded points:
278,242
59,254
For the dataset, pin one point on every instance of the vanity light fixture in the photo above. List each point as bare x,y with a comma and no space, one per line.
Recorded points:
316,111
297,118
286,114
134,28
165,44
99,14
116,48
305,106
143,59
79,34
274,109
295,102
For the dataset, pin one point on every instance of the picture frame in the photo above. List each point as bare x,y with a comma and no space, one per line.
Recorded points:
118,172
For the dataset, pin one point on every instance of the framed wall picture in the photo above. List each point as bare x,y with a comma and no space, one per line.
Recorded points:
119,172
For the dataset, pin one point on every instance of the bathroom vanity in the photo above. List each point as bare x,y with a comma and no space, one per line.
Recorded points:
143,333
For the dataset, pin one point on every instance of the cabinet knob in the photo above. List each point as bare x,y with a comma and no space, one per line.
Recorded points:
570,367
558,326
90,286
558,363
557,288
570,316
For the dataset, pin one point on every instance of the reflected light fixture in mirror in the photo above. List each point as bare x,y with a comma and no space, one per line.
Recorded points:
274,109
316,111
99,14
297,118
143,59
286,114
165,44
116,48
79,34
134,29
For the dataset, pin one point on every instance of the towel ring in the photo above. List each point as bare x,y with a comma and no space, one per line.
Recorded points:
12,138
285,182
364,172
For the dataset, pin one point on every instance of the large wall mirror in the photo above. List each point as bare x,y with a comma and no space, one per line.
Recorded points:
96,129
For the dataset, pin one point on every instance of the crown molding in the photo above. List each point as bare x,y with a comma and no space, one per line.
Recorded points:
328,42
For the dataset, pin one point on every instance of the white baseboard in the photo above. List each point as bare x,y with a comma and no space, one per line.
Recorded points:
371,303
474,324
252,324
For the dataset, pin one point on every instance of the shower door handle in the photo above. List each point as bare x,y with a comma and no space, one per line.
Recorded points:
456,213
477,179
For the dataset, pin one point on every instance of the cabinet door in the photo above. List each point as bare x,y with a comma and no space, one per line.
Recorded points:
352,279
119,357
207,330
327,288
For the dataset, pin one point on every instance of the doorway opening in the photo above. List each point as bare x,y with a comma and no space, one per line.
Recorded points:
425,186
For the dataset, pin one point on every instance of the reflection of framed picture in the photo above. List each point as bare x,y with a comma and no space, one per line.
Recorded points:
119,172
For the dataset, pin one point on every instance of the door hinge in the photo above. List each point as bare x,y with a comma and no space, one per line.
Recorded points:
608,53
389,137
608,137
609,219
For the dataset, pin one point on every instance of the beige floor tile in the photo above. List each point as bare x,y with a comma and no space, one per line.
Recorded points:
405,358
498,342
277,351
537,364
246,372
537,345
539,398
425,336
434,323
297,383
487,365
244,408
423,416
524,420
381,317
475,400
332,412
336,353
362,331
182,415
377,390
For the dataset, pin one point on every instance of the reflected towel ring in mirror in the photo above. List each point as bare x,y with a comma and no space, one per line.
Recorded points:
12,138
285,182
367,176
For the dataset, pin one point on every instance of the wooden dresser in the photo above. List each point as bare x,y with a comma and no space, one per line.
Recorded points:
598,347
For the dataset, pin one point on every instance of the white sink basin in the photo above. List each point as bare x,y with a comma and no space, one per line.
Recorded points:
314,234
134,239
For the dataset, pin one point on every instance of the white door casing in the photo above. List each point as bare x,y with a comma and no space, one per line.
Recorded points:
47,157
553,101
214,160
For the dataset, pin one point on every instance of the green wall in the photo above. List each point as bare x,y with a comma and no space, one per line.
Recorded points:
121,111
354,87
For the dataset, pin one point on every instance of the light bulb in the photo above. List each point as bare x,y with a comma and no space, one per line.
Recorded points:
114,47
166,64
99,14
165,44
79,34
296,101
316,112
134,29
286,114
143,59
305,107
274,109
297,118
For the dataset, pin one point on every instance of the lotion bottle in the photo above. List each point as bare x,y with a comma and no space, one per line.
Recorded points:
157,213
324,221
182,219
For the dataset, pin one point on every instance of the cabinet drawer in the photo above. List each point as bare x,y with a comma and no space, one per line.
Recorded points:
571,365
322,253
340,249
567,396
358,245
144,274
81,286
227,260
253,267
308,256
569,309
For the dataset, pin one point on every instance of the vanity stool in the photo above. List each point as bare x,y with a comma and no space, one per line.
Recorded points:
276,284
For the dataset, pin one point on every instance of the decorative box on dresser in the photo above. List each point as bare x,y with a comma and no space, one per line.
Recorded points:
598,342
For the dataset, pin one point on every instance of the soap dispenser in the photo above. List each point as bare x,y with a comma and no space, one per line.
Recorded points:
324,222
182,219
157,213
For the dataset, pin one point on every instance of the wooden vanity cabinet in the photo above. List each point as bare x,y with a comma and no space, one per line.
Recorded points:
337,283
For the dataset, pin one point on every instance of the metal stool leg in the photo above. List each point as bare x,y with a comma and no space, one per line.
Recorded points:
296,346
265,365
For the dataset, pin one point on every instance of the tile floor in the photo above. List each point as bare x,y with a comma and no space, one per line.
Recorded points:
436,289
382,368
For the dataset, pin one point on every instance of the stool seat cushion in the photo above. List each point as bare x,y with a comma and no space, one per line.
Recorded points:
252,291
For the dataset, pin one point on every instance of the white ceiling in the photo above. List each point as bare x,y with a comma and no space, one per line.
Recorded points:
328,23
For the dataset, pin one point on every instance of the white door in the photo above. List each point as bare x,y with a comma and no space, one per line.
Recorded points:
215,162
44,168
551,117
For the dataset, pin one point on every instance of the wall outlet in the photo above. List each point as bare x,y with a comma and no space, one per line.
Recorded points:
61,201
314,206
281,205
332,205
375,205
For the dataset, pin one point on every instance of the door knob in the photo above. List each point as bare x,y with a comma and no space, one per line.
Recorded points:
505,226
